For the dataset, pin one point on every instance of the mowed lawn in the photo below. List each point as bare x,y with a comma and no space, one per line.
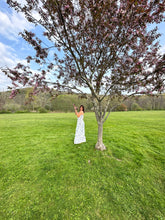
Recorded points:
43,175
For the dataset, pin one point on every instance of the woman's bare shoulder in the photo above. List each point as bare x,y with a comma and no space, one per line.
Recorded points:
80,113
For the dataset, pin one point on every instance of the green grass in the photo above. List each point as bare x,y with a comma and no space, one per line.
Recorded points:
43,175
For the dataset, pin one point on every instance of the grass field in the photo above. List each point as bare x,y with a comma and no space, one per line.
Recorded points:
44,176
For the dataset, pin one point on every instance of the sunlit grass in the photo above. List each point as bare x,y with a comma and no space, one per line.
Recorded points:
43,175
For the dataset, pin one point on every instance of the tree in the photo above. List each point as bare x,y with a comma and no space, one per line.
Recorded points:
105,47
135,107
121,107
3,97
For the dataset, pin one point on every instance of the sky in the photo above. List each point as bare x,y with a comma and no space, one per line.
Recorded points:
14,49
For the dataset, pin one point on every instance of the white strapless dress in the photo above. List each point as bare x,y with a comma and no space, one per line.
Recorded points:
80,131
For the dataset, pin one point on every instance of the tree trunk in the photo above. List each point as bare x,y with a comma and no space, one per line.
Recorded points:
99,145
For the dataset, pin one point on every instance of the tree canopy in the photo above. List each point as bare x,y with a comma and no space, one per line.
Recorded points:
106,47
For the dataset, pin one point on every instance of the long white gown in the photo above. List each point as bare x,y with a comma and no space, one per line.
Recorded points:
80,131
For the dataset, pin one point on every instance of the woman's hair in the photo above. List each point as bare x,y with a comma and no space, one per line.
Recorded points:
82,107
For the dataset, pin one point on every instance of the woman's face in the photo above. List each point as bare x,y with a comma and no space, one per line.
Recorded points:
81,108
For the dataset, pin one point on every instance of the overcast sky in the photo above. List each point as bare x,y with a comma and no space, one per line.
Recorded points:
14,49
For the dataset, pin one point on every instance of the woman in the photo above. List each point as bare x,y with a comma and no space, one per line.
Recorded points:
80,129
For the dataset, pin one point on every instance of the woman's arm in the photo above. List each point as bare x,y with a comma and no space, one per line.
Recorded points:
75,109
77,113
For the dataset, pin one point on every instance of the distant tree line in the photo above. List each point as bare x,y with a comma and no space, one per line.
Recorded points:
43,103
